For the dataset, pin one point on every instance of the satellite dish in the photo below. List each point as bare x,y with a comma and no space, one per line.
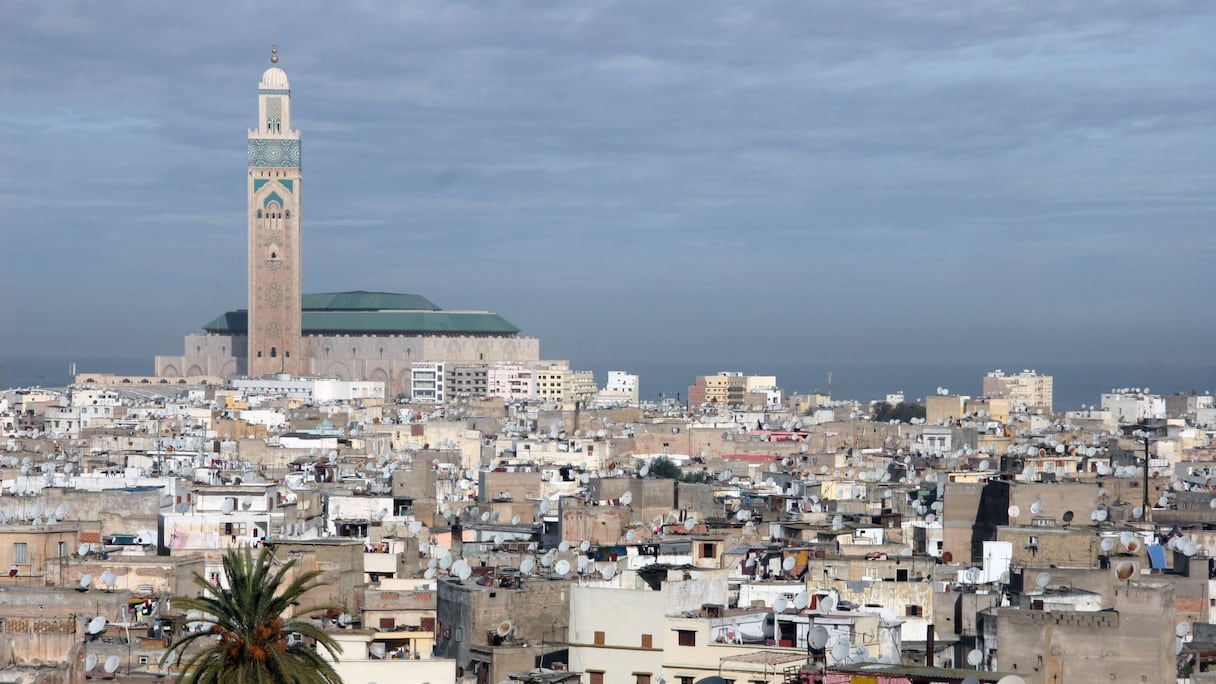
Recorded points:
1068,516
515,520
1014,512
802,600
788,564
584,546
817,637
86,581
780,604
445,563
82,550
1182,629
462,569
1042,579
630,535
546,560
975,657
627,498
607,572
828,603
1133,545
429,574
527,566
485,517
1036,507
97,625
499,539
563,547
743,515
562,567
227,507
582,564
111,665
544,506
1125,570
690,525
503,628
90,661
645,470
840,650
1011,679
1107,543
109,579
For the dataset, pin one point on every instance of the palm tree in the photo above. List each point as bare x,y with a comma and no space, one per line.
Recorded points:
245,634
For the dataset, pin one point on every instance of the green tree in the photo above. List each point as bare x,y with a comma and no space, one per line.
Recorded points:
245,635
903,412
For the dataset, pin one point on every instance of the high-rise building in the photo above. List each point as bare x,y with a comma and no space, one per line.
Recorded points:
274,232
1028,389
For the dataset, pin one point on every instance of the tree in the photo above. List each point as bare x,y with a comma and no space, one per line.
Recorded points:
244,638
903,412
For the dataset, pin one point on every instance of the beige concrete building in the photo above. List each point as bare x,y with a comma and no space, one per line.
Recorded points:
1027,389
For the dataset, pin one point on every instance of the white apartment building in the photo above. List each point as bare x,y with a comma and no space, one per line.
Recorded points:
1131,406
427,382
511,381
621,390
314,389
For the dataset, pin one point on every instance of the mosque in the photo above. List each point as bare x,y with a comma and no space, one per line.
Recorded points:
346,335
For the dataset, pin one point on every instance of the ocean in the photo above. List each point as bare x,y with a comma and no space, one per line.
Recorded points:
1075,384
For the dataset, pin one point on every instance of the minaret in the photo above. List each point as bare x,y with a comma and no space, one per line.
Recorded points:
274,232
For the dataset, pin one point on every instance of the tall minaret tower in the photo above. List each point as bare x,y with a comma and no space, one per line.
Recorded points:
275,339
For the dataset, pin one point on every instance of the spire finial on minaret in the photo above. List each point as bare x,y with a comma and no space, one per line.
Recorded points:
274,53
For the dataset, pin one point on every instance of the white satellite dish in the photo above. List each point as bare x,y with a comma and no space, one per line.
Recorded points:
690,525
82,550
817,637
544,506
644,471
499,539
546,560
975,657
445,563
563,547
1107,543
90,662
627,498
86,581
1036,507
630,535
61,511
109,580
584,546
1011,679
562,567
780,604
840,650
743,515
1042,579
1182,629
788,564
429,574
227,507
527,566
1014,511
462,569
111,665
607,572
828,603
582,564
802,600
503,628
97,625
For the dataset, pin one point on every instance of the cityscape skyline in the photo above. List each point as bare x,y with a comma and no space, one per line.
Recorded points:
745,187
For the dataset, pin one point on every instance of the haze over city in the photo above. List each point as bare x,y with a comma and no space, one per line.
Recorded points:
1000,184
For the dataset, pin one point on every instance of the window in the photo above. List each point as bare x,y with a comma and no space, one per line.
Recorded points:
648,640
687,637
597,676
388,623
707,550
684,679
21,553
912,610
599,638
641,678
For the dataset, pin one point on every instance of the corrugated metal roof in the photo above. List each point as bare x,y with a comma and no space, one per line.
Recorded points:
378,322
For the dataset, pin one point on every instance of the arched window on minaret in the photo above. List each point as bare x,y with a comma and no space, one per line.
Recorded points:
269,125
274,352
259,213
278,125
287,214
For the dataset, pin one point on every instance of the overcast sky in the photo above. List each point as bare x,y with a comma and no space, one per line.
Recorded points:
1006,182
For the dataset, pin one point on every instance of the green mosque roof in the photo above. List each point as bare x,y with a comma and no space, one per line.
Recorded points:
352,313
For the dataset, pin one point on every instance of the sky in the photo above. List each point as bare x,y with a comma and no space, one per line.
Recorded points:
1013,183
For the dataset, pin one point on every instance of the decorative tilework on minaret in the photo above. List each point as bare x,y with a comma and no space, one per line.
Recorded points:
275,344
